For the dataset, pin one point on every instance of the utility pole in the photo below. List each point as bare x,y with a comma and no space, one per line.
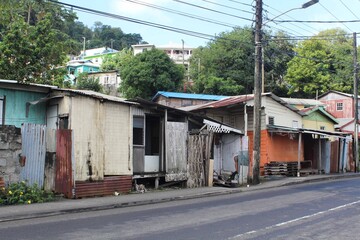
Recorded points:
84,46
257,94
111,44
183,54
356,105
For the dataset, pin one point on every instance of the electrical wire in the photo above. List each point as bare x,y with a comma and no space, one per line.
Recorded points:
212,10
181,13
349,9
245,4
322,37
310,21
151,24
334,16
226,6
156,25
308,26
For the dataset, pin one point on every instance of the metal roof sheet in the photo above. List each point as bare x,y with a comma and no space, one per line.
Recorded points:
303,101
189,96
233,100
98,95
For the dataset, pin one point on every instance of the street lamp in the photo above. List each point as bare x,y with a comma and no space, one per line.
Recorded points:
258,85
305,5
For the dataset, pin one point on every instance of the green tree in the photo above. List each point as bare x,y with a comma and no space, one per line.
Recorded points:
230,58
321,65
83,81
149,72
228,61
278,51
33,53
32,45
216,86
105,35
117,61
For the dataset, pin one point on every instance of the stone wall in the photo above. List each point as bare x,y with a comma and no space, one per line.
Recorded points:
10,151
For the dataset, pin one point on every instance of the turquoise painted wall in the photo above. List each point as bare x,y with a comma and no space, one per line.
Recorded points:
15,107
82,68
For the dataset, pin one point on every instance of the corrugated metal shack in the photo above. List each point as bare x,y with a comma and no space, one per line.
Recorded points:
93,142
171,145
160,141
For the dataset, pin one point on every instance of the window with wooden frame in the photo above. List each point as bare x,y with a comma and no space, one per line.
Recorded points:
339,106
138,130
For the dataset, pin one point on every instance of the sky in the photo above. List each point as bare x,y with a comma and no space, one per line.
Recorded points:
216,16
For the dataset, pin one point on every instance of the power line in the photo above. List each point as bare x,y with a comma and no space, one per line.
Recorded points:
245,4
349,9
334,16
226,6
316,37
156,25
181,13
151,24
306,21
310,27
212,10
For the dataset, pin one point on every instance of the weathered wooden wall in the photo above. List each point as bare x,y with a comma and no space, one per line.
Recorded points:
176,136
199,150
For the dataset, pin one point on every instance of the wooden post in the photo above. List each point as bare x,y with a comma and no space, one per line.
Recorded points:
257,95
356,105
299,154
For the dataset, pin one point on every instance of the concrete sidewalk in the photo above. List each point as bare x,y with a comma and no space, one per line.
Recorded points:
63,206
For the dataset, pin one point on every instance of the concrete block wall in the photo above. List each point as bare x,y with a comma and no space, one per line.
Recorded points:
10,151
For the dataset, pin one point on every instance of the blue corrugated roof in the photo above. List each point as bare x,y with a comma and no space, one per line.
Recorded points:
189,96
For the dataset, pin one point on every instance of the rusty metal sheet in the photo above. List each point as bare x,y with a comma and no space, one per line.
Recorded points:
64,178
334,157
108,186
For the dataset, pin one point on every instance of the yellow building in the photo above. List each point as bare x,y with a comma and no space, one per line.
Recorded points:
318,118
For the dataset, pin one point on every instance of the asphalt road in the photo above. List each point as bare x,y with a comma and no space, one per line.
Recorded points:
326,210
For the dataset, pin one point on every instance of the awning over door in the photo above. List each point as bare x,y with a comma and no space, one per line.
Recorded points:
220,128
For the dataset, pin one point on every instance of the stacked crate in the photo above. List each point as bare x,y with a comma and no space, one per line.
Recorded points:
281,169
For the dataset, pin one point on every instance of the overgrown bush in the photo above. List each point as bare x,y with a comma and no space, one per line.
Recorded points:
21,193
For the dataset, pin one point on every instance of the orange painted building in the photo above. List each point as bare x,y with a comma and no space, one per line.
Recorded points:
279,147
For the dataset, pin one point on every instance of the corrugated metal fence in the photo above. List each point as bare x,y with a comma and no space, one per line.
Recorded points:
64,175
34,149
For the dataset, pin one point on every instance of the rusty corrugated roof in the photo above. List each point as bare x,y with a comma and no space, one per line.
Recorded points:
243,99
233,100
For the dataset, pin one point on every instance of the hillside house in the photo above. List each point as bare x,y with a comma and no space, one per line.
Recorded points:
110,80
178,100
179,53
75,67
97,55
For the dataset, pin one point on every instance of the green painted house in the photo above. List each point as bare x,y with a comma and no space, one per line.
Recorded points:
75,67
20,103
318,118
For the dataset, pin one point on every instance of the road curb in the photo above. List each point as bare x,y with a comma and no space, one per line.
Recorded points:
169,199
